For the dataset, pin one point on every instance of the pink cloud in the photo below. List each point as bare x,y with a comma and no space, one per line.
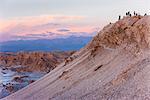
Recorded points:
36,20
38,25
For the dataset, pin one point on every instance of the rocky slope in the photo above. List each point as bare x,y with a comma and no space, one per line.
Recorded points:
115,65
18,70
32,61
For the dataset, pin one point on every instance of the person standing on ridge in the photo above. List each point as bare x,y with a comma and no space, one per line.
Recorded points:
134,13
119,17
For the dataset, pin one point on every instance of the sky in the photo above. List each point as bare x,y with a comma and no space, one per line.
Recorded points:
48,19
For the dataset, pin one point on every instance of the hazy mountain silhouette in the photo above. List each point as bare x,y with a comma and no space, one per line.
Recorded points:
58,44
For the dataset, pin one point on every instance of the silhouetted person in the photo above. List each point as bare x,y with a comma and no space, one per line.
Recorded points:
139,16
145,14
128,12
130,15
134,13
119,17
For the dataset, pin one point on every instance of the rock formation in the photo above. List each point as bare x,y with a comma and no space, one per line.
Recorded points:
115,65
33,61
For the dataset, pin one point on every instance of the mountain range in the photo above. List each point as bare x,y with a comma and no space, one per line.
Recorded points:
58,44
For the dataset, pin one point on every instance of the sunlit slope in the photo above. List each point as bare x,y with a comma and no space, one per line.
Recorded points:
115,65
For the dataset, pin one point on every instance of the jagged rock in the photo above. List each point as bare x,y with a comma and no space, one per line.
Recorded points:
19,78
32,61
9,87
31,81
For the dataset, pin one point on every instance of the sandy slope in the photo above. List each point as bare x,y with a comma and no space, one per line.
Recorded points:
115,65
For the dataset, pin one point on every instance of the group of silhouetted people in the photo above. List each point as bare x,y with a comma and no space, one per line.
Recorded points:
129,14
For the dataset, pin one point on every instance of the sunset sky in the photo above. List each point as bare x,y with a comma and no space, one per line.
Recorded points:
47,19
